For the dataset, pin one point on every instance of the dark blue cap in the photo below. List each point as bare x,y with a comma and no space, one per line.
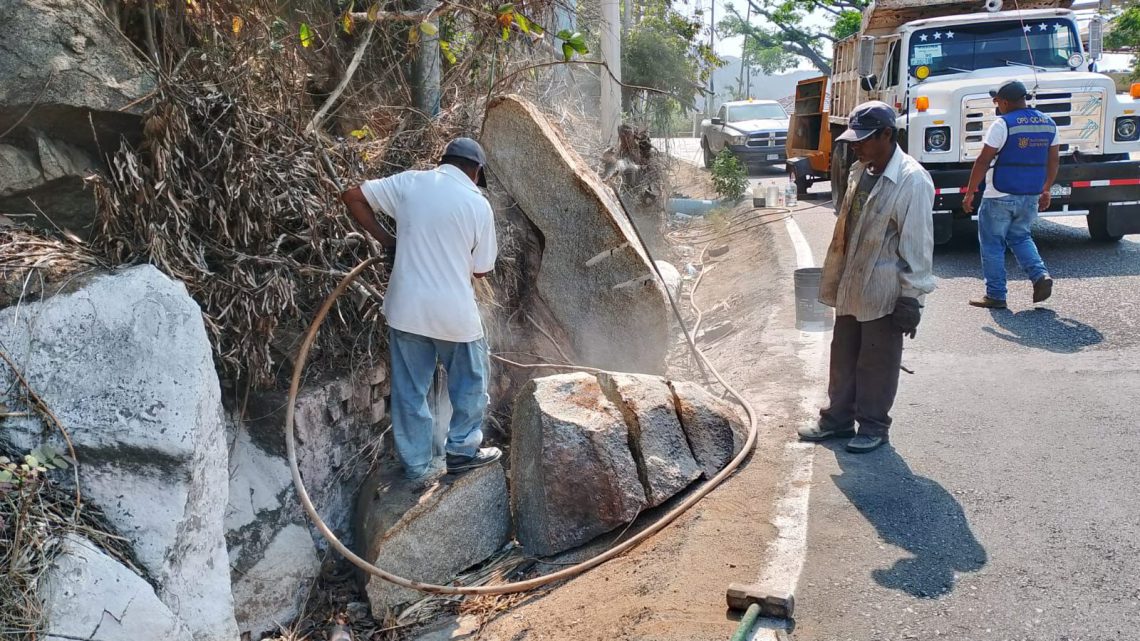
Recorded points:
1012,90
868,118
468,149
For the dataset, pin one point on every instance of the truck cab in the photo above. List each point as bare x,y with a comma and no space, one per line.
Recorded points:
936,62
755,131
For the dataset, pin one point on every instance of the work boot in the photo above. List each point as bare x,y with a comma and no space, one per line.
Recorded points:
485,456
863,443
988,303
819,432
1042,288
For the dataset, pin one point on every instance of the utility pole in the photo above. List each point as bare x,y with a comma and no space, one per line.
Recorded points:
712,47
611,79
744,57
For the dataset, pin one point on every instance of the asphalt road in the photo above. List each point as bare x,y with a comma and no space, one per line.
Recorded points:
1008,507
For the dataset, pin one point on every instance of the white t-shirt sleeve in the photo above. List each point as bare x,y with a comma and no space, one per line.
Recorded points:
997,134
486,248
384,194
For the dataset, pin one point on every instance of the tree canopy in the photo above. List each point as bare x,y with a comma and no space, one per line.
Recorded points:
776,38
667,51
1124,34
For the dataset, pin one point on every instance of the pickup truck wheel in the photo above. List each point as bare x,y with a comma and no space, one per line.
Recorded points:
707,153
1098,224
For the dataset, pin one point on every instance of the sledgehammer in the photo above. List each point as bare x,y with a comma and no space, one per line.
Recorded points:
757,601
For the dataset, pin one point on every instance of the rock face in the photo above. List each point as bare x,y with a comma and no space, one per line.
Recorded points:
665,464
594,277
274,553
588,453
572,474
126,365
429,535
713,427
82,79
87,594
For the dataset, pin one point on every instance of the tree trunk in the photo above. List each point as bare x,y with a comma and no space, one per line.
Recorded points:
425,68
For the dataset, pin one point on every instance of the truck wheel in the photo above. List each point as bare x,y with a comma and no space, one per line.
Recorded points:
802,183
1098,224
840,167
707,153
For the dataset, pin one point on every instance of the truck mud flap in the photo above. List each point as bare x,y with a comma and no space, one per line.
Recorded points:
1124,219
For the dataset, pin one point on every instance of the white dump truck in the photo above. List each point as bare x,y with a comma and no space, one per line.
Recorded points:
935,61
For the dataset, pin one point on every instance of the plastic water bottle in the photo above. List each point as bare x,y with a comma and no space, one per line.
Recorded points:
790,193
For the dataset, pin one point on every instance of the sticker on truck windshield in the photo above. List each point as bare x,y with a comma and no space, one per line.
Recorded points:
925,54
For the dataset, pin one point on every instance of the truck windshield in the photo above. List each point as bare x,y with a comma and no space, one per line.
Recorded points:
740,113
967,47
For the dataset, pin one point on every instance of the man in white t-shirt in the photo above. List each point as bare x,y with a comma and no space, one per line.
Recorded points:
1019,161
446,232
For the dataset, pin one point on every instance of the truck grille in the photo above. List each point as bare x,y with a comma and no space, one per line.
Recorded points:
769,139
1078,115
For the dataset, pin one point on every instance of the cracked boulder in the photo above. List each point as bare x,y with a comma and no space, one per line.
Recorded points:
594,277
573,476
588,453
125,363
89,595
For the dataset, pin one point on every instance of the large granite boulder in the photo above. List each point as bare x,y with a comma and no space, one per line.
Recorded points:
588,452
274,552
572,474
70,89
429,534
88,595
665,464
594,276
125,363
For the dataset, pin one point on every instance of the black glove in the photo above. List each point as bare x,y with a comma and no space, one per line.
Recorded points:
907,314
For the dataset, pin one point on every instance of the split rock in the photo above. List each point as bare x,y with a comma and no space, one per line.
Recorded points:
572,474
664,462
713,427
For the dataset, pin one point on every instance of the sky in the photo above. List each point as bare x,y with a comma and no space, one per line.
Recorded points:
732,46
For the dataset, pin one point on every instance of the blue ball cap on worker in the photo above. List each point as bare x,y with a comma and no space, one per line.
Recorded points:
1012,90
866,119
468,149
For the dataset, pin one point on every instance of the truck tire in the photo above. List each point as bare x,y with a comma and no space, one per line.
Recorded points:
1098,224
707,153
840,167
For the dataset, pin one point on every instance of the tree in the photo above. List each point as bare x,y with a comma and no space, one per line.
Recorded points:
780,39
1124,34
666,51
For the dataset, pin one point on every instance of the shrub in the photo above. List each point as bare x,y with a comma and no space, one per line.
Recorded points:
729,177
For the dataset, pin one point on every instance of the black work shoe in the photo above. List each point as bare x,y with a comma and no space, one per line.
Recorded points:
816,432
988,303
1042,288
485,456
862,443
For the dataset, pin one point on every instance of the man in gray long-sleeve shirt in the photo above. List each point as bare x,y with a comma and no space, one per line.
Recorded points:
877,270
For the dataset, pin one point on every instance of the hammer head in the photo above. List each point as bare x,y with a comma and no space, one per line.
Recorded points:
779,604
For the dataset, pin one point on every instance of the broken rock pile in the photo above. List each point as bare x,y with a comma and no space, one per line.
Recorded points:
590,452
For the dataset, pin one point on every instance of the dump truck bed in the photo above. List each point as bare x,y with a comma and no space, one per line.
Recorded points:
884,16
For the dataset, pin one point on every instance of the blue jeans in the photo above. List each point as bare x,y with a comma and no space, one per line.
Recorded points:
1005,222
414,360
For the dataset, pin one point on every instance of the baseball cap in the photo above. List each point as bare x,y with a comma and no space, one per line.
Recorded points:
1010,90
866,119
468,149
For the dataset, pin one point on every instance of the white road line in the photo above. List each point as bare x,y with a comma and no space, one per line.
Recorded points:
788,550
